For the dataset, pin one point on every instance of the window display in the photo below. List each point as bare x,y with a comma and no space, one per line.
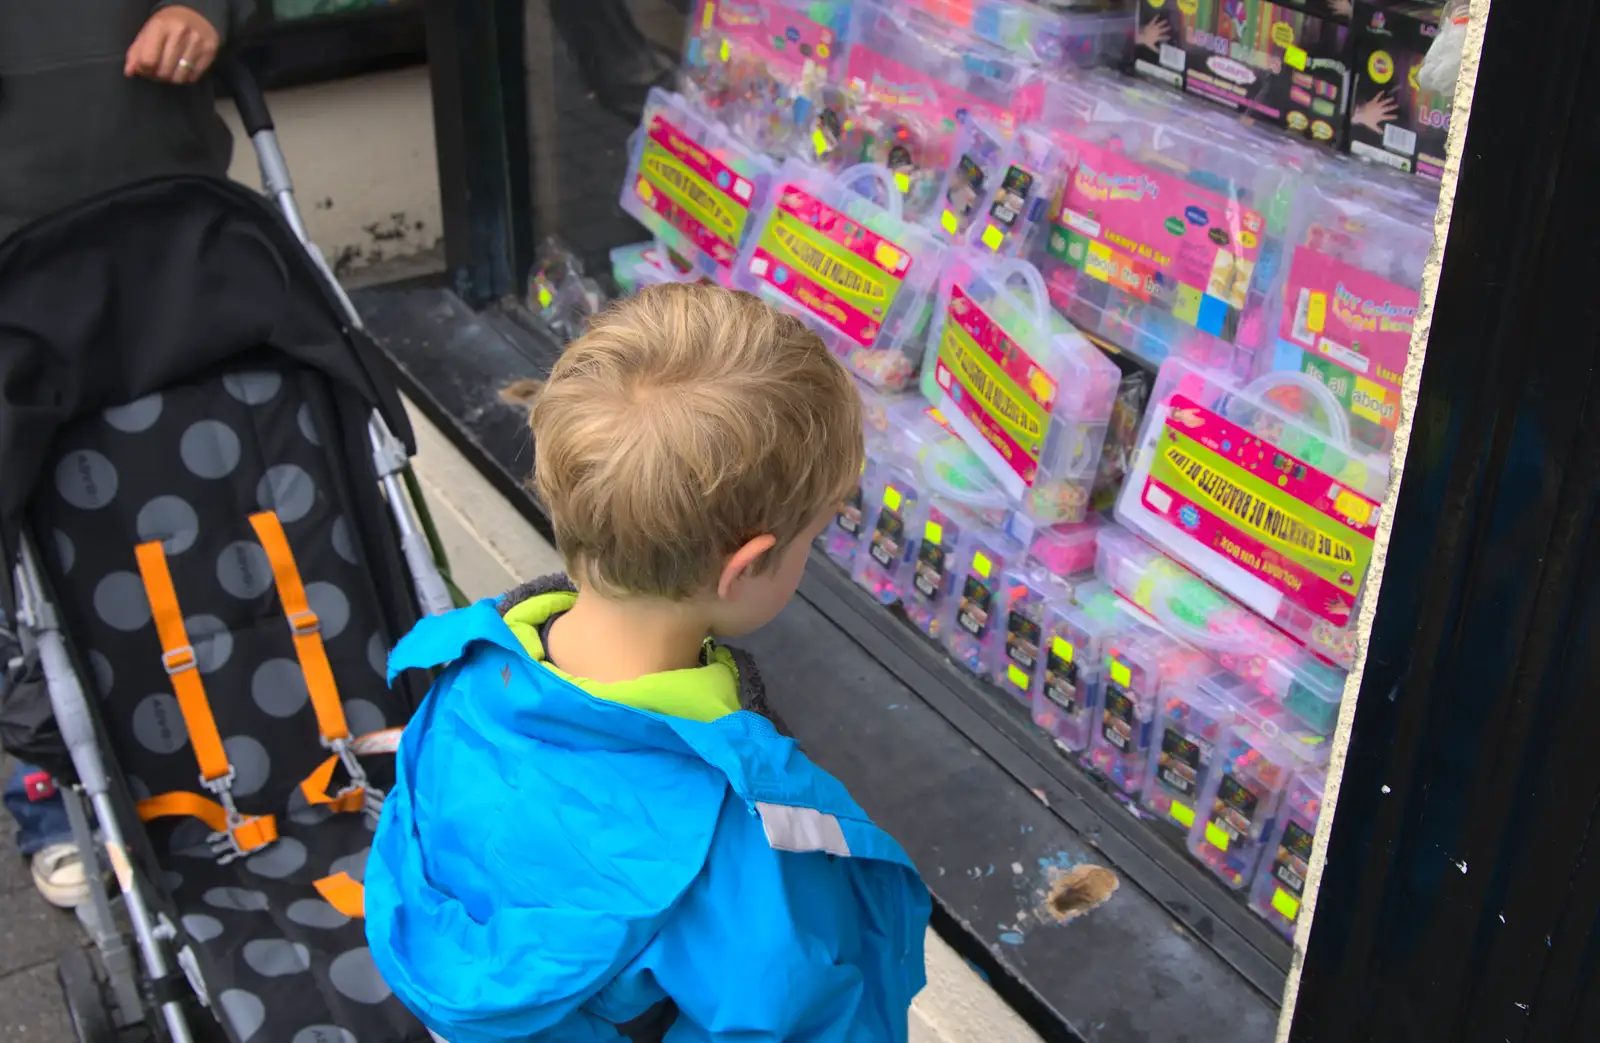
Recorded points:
1158,350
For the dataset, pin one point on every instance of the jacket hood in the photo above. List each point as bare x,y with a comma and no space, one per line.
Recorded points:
538,835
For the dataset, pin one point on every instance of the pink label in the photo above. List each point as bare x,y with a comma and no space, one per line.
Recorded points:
1291,525
995,384
1139,222
693,191
782,37
889,84
1353,318
829,264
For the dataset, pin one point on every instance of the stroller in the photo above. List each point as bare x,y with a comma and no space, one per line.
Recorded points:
214,546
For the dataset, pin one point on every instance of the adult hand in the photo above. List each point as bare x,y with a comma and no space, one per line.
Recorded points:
176,45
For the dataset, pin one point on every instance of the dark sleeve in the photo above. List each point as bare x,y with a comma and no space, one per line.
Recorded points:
227,16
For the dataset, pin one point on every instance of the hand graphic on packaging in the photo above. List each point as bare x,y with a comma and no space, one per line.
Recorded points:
1341,8
1374,113
1154,33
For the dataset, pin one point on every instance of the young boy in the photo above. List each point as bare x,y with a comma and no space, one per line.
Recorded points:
597,830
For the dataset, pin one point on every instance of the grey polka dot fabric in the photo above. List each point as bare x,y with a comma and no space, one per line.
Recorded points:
187,467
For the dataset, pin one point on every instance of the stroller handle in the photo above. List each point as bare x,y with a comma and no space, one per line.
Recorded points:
246,93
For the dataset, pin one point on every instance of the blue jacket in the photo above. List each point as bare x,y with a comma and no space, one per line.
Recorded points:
550,866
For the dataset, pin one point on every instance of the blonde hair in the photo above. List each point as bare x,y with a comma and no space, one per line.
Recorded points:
687,421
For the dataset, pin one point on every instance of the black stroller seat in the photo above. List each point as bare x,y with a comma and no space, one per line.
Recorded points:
213,549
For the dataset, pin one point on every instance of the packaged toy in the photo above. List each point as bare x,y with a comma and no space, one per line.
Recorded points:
840,539
1044,582
910,82
644,264
760,65
1122,438
1395,120
948,536
1190,722
1041,33
1068,698
1167,236
1259,489
1361,238
692,183
1258,756
973,613
1022,388
852,268
1141,663
1285,62
1280,885
893,498
998,187
1189,608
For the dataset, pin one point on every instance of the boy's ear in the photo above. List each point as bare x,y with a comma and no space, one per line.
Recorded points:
741,560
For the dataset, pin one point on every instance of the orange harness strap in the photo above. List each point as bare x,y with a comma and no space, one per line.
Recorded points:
177,656
344,893
251,835
305,627
233,834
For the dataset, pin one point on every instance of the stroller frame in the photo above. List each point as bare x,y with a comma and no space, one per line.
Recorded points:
138,977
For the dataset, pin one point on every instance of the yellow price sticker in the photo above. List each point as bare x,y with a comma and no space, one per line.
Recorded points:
892,498
933,532
1063,649
544,297
1285,903
1217,837
1017,676
981,564
1294,57
1182,814
725,50
819,141
993,237
1120,674
947,221
902,181
1317,312
710,14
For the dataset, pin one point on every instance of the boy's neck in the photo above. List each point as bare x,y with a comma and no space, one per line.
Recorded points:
609,640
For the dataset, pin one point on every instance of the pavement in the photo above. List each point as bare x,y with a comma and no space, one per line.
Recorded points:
31,934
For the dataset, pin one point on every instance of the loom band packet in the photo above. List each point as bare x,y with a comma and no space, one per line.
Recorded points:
895,497
757,62
906,68
849,265
1272,662
1189,723
973,610
1280,883
1352,291
1026,392
1140,663
1257,759
692,184
1264,502
1027,593
1067,700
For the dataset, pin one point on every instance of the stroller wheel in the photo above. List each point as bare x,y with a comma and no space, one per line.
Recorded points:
84,992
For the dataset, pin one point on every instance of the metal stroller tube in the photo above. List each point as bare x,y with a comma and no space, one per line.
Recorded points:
433,597
77,729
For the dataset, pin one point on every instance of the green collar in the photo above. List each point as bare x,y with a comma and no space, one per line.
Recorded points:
702,693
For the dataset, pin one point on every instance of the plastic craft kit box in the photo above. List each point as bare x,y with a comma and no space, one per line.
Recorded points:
1286,63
